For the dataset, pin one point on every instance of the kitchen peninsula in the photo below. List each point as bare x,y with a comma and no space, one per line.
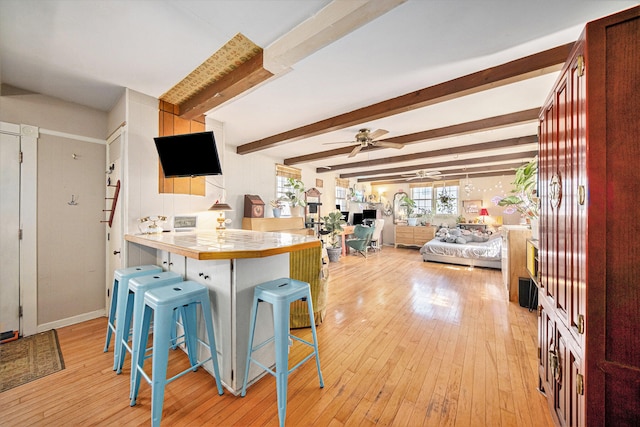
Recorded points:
231,263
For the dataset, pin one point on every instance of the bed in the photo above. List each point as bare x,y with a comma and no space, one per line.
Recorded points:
474,254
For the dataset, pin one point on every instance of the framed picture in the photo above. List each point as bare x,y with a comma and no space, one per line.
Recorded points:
319,183
472,206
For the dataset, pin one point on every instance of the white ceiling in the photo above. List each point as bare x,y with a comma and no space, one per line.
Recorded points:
88,51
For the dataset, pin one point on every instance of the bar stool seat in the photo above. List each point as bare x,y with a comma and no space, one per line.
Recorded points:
118,322
280,294
162,302
135,304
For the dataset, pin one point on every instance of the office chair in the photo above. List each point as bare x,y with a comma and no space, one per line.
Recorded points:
375,238
362,239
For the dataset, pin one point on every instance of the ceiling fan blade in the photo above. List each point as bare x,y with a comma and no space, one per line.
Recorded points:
332,143
355,150
388,144
378,133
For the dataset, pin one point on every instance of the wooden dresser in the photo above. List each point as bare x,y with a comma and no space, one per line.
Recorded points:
412,236
589,304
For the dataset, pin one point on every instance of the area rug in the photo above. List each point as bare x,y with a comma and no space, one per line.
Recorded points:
29,358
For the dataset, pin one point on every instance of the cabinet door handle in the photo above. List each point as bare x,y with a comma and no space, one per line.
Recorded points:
116,252
554,364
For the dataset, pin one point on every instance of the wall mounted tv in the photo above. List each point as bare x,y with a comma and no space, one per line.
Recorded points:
191,154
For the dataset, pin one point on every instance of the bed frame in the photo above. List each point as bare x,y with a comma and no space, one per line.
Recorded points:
462,261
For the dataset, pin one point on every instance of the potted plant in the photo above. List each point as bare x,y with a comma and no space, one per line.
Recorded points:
295,194
410,208
276,206
426,217
332,228
446,202
523,197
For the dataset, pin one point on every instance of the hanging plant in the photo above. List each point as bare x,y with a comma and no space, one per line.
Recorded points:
446,202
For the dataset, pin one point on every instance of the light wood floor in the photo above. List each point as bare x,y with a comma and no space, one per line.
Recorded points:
405,343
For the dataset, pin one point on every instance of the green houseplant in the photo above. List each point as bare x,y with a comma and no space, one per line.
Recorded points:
410,208
332,228
295,192
523,197
446,202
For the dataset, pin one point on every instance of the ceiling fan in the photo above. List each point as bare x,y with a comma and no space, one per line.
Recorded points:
366,138
423,174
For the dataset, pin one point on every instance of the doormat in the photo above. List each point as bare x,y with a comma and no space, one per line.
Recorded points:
29,358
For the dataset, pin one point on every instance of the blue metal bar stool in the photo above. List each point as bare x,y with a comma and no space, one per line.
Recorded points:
135,304
280,294
162,303
119,296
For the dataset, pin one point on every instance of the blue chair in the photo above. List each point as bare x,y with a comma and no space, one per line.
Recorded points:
280,294
135,304
362,239
118,321
162,302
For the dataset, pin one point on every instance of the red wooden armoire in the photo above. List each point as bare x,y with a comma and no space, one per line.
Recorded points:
589,248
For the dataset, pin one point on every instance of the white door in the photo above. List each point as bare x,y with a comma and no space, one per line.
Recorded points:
9,232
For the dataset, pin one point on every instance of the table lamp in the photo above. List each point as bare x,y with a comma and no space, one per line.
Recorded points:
483,213
220,207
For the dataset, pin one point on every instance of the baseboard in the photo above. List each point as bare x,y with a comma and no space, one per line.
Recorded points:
71,320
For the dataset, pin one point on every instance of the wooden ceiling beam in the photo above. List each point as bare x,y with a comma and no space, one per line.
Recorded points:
465,149
454,163
243,78
453,177
490,123
514,71
451,173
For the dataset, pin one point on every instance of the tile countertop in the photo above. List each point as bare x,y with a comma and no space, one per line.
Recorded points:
225,244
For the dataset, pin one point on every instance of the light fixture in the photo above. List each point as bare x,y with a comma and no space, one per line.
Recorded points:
468,186
220,207
483,213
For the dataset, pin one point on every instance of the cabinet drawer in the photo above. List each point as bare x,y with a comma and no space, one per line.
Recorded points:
423,234
404,233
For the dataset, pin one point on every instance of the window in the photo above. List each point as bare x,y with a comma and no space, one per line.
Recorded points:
423,196
429,197
342,187
282,174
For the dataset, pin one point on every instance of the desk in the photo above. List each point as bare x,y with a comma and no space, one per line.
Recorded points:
346,229
472,226
231,263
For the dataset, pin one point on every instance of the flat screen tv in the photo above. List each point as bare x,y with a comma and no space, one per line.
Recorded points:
191,154
369,214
